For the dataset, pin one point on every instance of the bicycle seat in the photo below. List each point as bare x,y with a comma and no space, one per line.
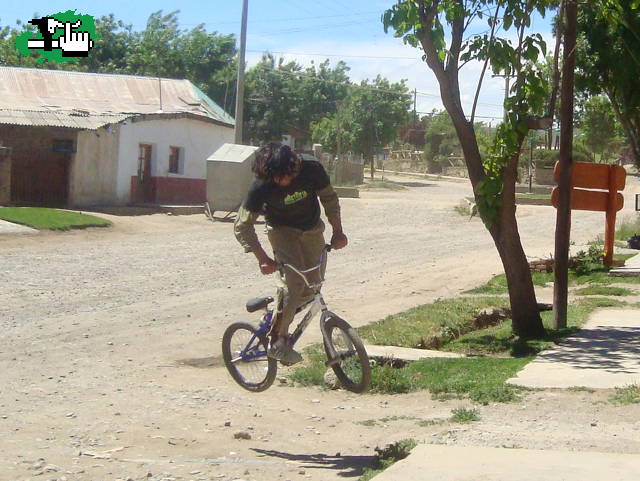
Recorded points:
258,303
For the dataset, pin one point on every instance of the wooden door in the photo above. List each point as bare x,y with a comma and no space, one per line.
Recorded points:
40,178
145,191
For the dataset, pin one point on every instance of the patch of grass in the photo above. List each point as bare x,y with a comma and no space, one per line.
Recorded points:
424,423
603,291
415,327
464,415
383,184
368,422
627,395
629,226
499,340
389,455
53,219
464,208
481,379
311,372
581,389
498,284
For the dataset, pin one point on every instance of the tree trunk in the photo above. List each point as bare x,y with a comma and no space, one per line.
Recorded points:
522,296
504,231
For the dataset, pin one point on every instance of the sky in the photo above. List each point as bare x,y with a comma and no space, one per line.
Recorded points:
304,31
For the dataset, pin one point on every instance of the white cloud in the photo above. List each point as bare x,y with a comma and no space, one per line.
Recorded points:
387,56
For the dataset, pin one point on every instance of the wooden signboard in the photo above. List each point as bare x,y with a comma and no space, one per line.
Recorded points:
595,187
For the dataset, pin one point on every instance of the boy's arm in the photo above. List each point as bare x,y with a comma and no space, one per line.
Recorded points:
331,205
245,232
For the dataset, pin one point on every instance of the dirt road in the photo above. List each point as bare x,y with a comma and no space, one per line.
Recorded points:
101,330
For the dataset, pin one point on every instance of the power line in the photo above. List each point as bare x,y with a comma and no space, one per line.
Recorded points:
390,57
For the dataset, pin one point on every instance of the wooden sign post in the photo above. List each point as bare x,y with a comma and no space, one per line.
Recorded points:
595,187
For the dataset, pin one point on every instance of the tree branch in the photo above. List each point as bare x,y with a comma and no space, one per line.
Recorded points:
556,70
486,62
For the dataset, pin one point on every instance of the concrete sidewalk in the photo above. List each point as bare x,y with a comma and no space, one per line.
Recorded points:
604,354
11,228
433,462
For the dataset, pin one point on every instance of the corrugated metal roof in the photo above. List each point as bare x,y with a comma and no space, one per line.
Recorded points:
88,101
58,119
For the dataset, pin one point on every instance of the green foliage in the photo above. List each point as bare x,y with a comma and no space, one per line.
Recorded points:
421,23
54,219
442,319
464,415
627,395
603,291
608,60
630,226
586,262
389,455
600,129
281,95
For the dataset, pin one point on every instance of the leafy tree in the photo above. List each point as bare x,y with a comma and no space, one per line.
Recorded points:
609,59
281,95
599,126
370,116
421,23
441,139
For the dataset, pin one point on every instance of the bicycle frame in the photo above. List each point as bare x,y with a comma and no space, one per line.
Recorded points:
316,305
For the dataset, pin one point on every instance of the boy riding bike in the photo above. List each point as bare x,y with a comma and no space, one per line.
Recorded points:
287,190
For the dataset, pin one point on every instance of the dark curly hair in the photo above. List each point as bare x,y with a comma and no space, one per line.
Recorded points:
275,159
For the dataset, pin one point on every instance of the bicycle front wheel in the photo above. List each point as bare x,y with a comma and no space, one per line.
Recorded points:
347,355
245,354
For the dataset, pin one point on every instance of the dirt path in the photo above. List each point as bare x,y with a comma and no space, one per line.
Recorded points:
97,325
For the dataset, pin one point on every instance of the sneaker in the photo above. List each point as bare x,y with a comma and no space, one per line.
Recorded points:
283,352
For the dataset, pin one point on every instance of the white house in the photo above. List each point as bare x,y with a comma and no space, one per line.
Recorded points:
82,139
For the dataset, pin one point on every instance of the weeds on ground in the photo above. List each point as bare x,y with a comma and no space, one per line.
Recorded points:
596,290
627,395
629,226
387,456
498,284
444,319
464,415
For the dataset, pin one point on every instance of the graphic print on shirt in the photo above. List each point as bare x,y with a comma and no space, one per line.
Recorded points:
295,197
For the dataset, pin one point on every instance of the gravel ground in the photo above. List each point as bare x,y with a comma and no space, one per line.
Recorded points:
101,330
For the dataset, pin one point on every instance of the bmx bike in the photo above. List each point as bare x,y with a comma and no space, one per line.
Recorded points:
244,346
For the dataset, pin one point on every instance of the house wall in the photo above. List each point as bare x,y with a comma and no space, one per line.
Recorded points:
94,168
5,178
198,140
39,176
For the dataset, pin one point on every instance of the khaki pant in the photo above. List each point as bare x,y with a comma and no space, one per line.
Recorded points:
301,249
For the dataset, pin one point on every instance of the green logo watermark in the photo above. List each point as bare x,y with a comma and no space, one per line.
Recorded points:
62,37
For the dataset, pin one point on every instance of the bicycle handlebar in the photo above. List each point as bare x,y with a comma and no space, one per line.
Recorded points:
303,272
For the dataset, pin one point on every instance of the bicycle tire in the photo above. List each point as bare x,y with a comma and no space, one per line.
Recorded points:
236,339
354,376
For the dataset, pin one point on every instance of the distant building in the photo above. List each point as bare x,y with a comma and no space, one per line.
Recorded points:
83,139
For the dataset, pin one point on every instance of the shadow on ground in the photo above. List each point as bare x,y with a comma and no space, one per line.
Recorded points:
349,466
202,362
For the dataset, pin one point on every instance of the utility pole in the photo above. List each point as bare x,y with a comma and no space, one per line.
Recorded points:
240,86
563,216
415,113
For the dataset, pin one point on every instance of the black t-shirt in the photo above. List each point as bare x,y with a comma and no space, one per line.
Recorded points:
295,205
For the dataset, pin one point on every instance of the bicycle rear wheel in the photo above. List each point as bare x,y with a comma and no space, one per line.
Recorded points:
244,351
347,355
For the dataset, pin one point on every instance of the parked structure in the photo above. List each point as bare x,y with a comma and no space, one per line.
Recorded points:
82,139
